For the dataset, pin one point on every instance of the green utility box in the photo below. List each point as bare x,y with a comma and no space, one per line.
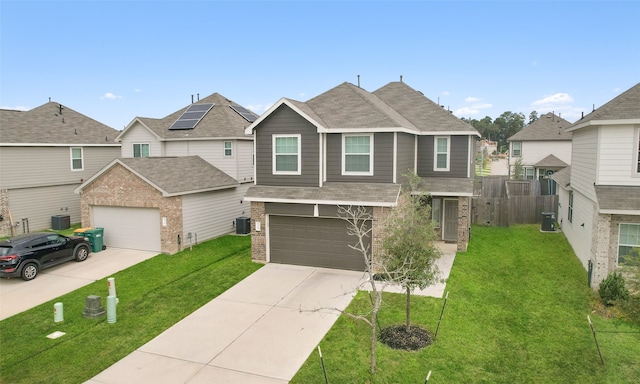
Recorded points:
95,237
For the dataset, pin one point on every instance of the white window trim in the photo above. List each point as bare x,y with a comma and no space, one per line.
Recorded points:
133,151
273,153
570,206
344,156
623,245
81,158
636,153
224,145
513,150
435,153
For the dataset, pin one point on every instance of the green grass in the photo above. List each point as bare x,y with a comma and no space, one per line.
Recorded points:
153,295
517,313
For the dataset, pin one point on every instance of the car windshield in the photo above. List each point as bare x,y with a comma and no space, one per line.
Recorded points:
4,251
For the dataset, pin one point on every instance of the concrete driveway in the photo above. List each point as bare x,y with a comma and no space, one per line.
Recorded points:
17,295
260,331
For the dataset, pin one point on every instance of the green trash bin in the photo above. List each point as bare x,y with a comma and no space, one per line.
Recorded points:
95,237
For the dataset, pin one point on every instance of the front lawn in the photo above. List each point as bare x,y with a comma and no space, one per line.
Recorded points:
517,313
153,295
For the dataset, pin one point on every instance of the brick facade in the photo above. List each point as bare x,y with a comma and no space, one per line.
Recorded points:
258,238
5,223
464,223
119,187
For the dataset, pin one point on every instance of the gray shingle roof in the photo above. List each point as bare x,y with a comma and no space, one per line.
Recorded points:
444,186
46,125
550,162
624,106
548,127
220,122
179,175
369,194
618,198
563,177
421,111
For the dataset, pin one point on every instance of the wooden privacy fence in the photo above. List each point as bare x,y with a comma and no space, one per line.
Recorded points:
500,202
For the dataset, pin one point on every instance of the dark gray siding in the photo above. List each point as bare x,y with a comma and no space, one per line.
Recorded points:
459,157
405,153
289,209
382,162
285,121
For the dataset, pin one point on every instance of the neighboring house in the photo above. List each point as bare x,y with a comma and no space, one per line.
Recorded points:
180,179
45,153
543,148
488,147
599,209
350,147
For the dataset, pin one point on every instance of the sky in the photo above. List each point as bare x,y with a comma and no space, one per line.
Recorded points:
116,60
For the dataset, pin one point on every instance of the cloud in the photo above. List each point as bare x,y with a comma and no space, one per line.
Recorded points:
259,108
471,99
556,98
110,96
471,110
445,93
16,108
137,90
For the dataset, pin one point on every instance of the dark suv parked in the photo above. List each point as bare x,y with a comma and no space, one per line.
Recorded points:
25,255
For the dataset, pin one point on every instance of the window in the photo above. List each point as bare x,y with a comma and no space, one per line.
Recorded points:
629,244
529,173
76,159
436,213
637,151
228,149
286,154
570,209
516,148
441,153
357,154
140,150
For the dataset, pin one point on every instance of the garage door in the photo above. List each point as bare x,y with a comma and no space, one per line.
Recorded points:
318,242
131,228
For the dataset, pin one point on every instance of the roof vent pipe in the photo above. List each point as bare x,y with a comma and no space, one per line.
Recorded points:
198,96
401,78
358,81
191,99
594,107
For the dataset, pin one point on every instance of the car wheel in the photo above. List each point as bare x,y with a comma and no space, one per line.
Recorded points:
81,253
29,272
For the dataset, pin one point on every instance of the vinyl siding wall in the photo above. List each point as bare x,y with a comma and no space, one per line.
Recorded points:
137,134
534,151
286,121
616,155
37,205
583,212
382,159
213,214
459,157
405,155
584,161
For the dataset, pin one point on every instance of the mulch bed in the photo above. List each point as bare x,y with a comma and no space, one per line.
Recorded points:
397,337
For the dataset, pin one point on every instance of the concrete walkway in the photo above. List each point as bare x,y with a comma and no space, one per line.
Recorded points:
260,331
17,295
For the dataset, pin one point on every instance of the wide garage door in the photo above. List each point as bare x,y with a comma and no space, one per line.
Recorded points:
318,242
131,228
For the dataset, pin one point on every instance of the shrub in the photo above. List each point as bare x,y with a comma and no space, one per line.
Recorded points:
613,288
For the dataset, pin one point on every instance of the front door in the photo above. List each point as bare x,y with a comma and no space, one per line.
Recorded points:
450,220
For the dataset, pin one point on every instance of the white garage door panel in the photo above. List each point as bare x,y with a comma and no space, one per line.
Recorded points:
132,228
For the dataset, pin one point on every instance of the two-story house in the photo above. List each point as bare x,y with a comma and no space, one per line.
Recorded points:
542,148
599,199
45,153
350,147
180,179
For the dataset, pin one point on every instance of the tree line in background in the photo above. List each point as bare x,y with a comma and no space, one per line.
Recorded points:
503,127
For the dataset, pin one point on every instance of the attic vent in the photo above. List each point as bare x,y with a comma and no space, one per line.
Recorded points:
247,114
191,117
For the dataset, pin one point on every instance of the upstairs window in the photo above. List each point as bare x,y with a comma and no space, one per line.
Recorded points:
637,151
286,154
516,148
228,149
76,159
140,150
357,155
441,153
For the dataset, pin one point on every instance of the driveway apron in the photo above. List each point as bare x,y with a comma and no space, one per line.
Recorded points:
259,331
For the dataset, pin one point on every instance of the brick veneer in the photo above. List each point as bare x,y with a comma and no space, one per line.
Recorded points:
464,223
5,224
119,187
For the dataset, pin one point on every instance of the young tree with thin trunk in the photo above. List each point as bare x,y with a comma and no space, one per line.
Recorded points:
410,254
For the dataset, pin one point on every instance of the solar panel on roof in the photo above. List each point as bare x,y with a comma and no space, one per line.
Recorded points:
191,117
247,114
